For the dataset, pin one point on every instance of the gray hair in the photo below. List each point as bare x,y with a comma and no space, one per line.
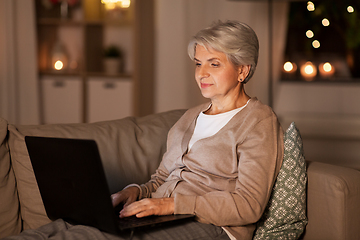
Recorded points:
237,40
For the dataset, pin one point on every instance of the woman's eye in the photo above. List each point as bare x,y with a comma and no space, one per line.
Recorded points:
197,64
215,64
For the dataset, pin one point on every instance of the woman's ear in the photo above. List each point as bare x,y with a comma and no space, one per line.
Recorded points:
243,72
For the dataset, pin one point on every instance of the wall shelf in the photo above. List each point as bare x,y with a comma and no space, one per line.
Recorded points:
85,34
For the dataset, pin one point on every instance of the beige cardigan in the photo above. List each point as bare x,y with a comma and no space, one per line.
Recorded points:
225,179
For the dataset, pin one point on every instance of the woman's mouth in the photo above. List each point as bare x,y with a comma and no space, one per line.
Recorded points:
205,85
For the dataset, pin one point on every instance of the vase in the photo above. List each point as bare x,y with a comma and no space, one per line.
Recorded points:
112,65
64,9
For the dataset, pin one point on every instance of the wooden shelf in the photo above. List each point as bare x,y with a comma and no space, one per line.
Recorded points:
60,74
58,22
105,75
85,34
83,74
70,22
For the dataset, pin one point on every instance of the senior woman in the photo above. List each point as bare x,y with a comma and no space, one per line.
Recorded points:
222,157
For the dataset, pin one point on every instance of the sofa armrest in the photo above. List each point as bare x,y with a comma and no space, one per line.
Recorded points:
10,222
333,198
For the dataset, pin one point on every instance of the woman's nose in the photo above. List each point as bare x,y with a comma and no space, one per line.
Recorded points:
202,72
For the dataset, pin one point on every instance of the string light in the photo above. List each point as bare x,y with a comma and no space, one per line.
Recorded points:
325,22
309,34
316,44
350,9
310,6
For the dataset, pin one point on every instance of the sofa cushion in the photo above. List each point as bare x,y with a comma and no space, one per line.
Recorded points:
127,146
285,215
10,223
333,197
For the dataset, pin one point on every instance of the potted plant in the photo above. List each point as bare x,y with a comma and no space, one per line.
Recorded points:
112,60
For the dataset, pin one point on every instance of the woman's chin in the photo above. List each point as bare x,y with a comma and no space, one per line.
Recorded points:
206,96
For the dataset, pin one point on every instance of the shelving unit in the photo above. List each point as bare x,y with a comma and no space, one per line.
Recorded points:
84,92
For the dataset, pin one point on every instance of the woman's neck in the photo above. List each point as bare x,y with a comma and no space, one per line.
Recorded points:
226,105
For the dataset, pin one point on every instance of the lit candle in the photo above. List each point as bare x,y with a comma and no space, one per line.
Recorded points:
308,71
289,69
58,65
59,59
326,70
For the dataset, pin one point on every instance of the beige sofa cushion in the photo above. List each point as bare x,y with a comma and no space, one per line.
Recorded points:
333,197
10,222
127,146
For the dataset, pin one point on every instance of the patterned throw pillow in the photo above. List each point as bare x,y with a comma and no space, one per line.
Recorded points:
285,215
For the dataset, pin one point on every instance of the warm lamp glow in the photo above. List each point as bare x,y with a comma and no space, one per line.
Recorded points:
125,3
308,71
112,4
58,65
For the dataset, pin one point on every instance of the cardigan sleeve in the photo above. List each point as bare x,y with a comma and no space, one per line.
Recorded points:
173,144
260,156
157,179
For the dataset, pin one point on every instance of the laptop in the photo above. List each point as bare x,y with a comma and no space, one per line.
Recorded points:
73,186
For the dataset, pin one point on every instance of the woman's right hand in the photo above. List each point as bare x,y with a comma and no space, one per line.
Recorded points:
126,196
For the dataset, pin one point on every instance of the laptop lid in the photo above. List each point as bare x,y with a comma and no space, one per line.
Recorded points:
72,181
73,186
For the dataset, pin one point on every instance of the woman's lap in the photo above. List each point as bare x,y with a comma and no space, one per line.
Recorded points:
59,230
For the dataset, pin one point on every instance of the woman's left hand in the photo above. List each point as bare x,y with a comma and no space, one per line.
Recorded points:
149,206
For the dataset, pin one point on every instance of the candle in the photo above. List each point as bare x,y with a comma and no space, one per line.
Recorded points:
308,71
326,70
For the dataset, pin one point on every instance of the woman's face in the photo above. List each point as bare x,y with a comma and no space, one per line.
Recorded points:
216,77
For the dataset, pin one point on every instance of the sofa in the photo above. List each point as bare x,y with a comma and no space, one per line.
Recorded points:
131,149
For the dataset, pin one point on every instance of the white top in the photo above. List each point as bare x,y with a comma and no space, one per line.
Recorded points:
209,125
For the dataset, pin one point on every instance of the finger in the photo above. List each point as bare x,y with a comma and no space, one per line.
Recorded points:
134,208
115,199
118,198
146,213
147,207
130,209
129,201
